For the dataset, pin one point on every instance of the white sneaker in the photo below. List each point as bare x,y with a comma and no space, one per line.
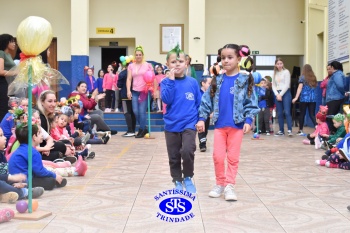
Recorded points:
290,133
267,134
216,191
300,133
230,194
317,142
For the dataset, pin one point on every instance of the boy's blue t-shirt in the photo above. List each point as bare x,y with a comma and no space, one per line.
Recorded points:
183,98
18,163
226,97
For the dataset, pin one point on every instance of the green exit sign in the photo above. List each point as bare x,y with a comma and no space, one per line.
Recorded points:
255,52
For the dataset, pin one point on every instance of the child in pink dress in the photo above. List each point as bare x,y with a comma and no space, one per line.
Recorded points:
156,95
109,85
321,129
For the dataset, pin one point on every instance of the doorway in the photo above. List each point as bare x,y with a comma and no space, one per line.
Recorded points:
110,54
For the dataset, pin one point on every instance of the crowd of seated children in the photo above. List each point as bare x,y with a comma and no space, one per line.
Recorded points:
84,125
7,123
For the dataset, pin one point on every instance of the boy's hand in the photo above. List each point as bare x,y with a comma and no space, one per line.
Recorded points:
172,74
200,126
59,178
246,128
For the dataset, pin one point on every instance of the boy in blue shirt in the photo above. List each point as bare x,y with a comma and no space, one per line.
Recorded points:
182,96
19,160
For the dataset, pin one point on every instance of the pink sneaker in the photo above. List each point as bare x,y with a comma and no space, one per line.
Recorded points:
306,142
331,165
6,215
81,166
321,162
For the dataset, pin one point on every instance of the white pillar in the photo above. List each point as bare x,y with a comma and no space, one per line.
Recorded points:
196,29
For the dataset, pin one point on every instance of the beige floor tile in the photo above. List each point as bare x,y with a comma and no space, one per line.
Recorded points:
279,189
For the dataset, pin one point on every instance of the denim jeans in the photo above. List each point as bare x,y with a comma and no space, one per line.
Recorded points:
139,107
284,106
5,188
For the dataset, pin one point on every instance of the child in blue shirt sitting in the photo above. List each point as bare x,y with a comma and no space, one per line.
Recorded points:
19,160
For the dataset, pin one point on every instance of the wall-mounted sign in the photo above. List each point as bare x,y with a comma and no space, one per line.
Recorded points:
105,30
338,30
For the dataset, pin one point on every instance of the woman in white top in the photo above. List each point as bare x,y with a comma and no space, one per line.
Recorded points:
280,86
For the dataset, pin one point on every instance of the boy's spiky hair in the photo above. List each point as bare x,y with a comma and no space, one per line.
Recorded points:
177,50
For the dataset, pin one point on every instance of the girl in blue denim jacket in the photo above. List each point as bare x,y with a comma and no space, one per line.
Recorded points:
233,102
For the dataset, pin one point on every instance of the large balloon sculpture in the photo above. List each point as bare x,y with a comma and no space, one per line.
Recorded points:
34,35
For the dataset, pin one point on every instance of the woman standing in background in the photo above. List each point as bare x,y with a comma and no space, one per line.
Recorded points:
281,88
137,92
7,45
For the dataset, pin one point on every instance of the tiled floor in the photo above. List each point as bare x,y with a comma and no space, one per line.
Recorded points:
279,188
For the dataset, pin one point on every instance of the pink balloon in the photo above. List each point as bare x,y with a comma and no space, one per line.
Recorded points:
149,76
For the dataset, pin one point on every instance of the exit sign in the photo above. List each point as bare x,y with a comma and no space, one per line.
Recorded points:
255,52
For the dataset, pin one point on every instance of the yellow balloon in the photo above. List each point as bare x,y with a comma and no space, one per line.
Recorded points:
34,35
246,66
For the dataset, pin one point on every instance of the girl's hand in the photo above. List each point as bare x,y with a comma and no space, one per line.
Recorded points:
246,128
325,135
101,96
294,100
46,153
200,126
279,97
129,95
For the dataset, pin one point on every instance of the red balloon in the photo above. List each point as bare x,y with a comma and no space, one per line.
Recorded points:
149,76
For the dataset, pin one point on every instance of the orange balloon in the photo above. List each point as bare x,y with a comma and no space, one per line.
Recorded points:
35,204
